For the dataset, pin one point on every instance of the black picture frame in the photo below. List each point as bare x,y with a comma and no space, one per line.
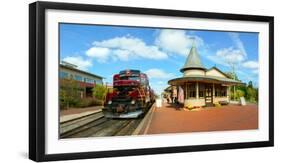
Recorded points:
37,80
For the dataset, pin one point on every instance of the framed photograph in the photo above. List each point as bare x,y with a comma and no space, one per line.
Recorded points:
108,81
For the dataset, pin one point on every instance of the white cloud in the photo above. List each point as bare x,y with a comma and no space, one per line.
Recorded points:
124,48
230,55
159,88
79,62
123,55
160,82
227,57
238,43
217,60
251,64
100,53
176,41
255,71
159,85
158,73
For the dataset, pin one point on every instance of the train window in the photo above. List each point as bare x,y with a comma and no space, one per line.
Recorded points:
130,78
143,81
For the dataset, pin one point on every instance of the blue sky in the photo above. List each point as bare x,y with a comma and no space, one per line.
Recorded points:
105,50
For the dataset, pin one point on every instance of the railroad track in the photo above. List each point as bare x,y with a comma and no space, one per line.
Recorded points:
96,125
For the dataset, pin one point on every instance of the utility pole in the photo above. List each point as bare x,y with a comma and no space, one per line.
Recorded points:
234,77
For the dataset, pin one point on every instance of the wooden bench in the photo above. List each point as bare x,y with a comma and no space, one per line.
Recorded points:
223,102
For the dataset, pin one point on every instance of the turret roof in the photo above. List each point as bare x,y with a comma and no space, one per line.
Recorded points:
193,60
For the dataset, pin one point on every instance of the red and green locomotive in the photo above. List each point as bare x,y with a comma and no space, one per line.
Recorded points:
131,96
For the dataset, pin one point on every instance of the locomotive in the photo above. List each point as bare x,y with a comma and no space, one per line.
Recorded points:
131,96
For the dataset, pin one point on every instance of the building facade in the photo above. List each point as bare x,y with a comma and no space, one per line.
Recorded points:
200,86
85,80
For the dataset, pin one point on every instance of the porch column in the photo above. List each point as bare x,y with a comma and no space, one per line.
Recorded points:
197,90
214,91
185,88
228,93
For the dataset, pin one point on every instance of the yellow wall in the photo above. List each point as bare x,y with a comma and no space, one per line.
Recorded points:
201,101
194,72
83,75
214,72
194,102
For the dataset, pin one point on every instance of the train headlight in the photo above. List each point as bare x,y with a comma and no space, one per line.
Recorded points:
109,102
133,102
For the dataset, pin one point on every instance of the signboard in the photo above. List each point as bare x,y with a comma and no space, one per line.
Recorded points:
242,101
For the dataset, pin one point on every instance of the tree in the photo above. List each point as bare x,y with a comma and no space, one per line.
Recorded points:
252,93
239,93
250,84
234,76
69,93
99,92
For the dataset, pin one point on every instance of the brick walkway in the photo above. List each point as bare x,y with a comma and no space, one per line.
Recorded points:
231,117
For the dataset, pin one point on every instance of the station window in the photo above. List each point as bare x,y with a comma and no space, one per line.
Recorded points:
220,91
78,78
88,80
98,82
223,92
191,90
201,89
63,75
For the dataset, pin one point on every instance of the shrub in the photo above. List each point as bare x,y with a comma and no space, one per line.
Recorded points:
99,92
87,102
69,93
217,104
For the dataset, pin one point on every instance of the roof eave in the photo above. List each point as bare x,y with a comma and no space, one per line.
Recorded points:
203,78
189,68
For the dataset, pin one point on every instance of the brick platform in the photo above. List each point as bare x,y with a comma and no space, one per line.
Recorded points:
169,119
78,110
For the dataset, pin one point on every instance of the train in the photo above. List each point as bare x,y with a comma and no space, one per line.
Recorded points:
131,96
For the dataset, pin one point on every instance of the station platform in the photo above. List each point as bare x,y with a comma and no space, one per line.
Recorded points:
172,119
73,113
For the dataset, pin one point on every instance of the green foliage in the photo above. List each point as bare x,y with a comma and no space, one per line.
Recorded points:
99,92
248,91
232,75
86,102
69,93
239,93
252,94
250,84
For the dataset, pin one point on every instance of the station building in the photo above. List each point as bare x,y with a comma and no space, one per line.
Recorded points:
86,80
201,86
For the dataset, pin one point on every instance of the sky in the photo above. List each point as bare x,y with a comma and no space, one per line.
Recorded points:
158,52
